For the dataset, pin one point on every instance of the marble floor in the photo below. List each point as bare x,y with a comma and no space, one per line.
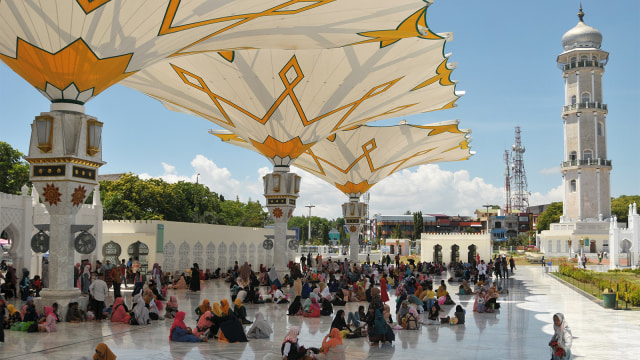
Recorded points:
521,329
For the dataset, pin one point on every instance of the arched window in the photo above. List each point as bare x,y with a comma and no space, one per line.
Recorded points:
573,100
586,97
600,129
572,186
574,60
573,156
594,58
587,155
584,58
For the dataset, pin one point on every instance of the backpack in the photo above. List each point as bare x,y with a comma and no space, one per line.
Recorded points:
379,324
411,322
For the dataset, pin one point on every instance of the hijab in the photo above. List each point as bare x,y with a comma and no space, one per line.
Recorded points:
260,324
181,284
307,304
48,310
338,321
292,335
178,321
403,310
335,340
224,306
103,353
205,321
140,311
118,313
173,302
12,309
205,306
238,303
559,329
216,310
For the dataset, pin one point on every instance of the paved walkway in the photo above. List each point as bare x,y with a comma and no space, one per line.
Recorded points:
521,329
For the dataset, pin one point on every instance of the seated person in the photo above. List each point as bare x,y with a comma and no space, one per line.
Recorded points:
74,314
332,342
180,332
260,328
48,325
465,289
241,312
311,307
120,312
459,315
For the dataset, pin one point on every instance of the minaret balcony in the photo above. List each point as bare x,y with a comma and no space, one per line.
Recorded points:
582,64
580,106
587,162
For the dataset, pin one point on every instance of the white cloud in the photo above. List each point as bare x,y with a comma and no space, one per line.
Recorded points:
426,188
550,171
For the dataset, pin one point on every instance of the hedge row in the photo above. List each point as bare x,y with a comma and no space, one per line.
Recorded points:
588,277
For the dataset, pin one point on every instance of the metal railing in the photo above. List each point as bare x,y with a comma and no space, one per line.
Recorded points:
598,162
588,105
584,63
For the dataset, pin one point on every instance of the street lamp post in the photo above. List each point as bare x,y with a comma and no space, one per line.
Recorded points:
310,206
488,218
195,195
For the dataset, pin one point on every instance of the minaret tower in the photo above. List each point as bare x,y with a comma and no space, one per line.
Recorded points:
585,167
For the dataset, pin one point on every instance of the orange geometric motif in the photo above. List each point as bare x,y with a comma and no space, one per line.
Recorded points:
51,194
444,76
288,92
167,26
272,147
407,29
352,228
277,213
351,188
90,5
79,193
75,63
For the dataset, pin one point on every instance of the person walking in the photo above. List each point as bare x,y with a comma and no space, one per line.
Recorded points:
512,264
98,290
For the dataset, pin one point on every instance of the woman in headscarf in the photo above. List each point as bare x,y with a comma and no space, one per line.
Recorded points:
465,289
231,329
203,308
179,331
306,289
86,276
140,311
50,323
403,310
332,342
491,298
324,291
260,328
28,311
290,348
194,284
326,307
25,287
156,273
442,290
205,322
103,353
383,289
561,340
241,312
340,324
181,284
14,316
313,309
119,312
171,308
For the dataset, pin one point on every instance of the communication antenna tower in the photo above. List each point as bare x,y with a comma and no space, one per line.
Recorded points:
520,198
507,182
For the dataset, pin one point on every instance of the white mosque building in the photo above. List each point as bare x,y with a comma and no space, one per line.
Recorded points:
586,225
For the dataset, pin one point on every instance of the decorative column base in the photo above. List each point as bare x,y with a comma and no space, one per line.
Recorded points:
63,298
354,212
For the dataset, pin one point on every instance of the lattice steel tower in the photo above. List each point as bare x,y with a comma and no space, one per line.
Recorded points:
520,198
507,182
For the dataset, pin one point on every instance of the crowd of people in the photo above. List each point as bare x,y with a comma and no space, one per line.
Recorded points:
309,290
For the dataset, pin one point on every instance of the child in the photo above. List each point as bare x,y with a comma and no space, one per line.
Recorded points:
75,315
49,324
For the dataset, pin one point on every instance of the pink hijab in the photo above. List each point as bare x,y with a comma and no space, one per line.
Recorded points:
118,314
173,302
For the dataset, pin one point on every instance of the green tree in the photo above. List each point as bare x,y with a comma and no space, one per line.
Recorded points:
417,225
14,172
344,240
550,215
397,232
325,234
620,206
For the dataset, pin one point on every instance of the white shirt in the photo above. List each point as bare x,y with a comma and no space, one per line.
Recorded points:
98,289
482,268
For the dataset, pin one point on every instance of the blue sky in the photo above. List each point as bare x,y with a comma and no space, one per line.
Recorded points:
505,52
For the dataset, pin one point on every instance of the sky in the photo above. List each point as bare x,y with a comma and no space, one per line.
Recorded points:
506,54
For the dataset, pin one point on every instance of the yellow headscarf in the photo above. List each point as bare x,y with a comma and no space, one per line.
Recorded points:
238,303
103,353
12,309
205,306
224,306
216,310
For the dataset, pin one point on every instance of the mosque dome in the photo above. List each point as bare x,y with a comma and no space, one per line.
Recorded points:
582,36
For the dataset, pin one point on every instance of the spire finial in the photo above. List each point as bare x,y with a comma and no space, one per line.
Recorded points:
581,14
